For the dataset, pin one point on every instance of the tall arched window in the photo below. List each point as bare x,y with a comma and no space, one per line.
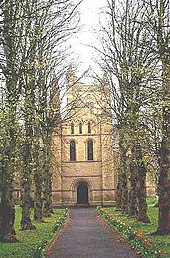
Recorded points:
72,128
80,127
72,151
89,127
90,150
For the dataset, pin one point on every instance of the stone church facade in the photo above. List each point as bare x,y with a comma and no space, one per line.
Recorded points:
84,156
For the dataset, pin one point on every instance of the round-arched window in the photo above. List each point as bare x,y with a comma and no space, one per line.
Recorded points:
90,150
72,150
80,127
72,128
89,127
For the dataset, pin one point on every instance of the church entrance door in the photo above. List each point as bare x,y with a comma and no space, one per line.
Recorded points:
82,193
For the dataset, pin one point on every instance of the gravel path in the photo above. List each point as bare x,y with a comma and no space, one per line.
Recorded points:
86,236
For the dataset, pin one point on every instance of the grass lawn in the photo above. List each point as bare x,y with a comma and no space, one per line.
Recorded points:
160,242
28,240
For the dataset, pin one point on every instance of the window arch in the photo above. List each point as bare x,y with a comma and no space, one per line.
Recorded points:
89,127
72,128
90,150
72,150
80,127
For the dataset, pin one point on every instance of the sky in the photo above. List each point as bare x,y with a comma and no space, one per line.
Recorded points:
90,14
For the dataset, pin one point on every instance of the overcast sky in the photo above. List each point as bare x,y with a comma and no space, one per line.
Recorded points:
90,15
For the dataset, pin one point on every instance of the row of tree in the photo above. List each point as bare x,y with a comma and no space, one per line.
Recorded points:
136,56
32,40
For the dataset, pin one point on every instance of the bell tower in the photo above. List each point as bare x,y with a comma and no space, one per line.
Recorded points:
87,161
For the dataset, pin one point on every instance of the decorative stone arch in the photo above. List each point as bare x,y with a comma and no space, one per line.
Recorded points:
89,120
71,139
75,188
77,121
90,139
80,120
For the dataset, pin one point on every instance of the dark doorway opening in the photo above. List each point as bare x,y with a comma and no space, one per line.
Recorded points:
82,194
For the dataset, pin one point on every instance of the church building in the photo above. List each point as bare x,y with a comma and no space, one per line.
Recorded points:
84,155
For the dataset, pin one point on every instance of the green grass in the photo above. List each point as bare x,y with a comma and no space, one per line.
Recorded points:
28,240
160,242
151,201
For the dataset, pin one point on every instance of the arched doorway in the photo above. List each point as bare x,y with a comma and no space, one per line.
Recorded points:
82,194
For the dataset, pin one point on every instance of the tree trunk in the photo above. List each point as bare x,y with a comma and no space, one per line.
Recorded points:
123,175
7,217
47,209
164,177
164,211
164,193
133,211
7,206
141,187
38,202
124,185
9,100
27,201
141,194
119,191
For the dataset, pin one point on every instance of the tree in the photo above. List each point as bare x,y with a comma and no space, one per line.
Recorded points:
11,68
32,37
131,67
47,31
158,13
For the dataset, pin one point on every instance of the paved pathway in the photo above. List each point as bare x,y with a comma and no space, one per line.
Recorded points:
86,236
